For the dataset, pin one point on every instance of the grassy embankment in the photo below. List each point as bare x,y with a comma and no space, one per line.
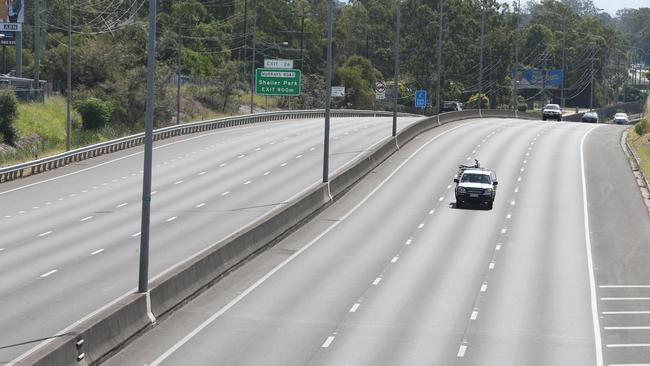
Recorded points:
641,144
41,128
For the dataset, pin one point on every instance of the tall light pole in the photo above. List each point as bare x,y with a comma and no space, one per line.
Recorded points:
68,124
178,64
480,73
439,59
143,278
514,79
253,61
328,93
396,81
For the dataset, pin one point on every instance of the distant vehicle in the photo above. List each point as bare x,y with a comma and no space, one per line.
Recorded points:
621,119
451,106
552,111
590,117
475,185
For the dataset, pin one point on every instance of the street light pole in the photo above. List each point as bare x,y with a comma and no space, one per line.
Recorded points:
514,79
328,93
395,86
480,73
178,64
68,127
439,59
253,61
143,279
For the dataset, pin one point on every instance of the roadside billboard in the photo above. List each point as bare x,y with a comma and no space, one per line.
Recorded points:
538,79
12,16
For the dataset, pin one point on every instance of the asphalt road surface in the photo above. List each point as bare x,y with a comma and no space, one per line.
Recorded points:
394,274
70,237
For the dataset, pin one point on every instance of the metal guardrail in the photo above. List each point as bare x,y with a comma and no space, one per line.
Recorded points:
56,161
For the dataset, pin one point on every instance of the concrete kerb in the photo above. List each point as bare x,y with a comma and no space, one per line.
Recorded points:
115,325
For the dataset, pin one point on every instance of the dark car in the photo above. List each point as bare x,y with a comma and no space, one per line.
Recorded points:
552,111
451,107
590,117
475,185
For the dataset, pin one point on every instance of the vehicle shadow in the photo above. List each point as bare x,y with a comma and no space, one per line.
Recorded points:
468,206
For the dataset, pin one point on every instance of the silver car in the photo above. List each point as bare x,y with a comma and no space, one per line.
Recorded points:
621,119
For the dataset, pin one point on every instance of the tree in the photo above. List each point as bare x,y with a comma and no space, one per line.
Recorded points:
8,115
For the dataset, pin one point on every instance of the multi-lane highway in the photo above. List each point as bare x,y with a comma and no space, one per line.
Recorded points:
70,237
393,274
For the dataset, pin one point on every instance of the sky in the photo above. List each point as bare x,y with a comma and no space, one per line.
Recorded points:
611,6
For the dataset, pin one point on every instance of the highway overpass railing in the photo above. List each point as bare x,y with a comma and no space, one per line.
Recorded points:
59,160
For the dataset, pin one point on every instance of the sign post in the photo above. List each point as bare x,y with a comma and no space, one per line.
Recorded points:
283,82
420,99
380,90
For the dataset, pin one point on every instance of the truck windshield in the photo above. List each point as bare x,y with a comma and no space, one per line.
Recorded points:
476,178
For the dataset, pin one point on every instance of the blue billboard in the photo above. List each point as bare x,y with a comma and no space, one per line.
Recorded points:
538,79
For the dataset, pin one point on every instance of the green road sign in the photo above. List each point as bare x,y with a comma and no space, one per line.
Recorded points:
277,82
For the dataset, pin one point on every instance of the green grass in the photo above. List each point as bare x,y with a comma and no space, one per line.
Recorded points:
46,120
641,144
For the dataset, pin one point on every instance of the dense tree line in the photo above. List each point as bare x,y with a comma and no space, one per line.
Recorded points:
215,41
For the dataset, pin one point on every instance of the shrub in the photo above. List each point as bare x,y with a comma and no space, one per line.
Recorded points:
640,128
95,113
8,114
522,107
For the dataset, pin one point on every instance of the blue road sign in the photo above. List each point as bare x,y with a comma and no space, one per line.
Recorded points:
420,99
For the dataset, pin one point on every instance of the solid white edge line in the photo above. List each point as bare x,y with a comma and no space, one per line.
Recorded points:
638,327
631,312
624,286
628,345
590,263
263,279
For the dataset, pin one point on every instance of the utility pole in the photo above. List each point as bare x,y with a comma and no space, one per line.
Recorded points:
328,93
439,58
19,54
38,29
302,41
480,73
245,35
253,62
591,98
143,279
396,80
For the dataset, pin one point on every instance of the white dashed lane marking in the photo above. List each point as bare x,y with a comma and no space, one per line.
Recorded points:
179,182
172,218
45,234
200,205
484,287
283,164
394,260
354,308
328,341
86,218
474,315
97,252
462,350
136,235
248,182
225,193
376,281
202,173
267,173
122,205
48,273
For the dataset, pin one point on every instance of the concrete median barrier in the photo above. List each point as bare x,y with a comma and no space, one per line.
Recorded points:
93,338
